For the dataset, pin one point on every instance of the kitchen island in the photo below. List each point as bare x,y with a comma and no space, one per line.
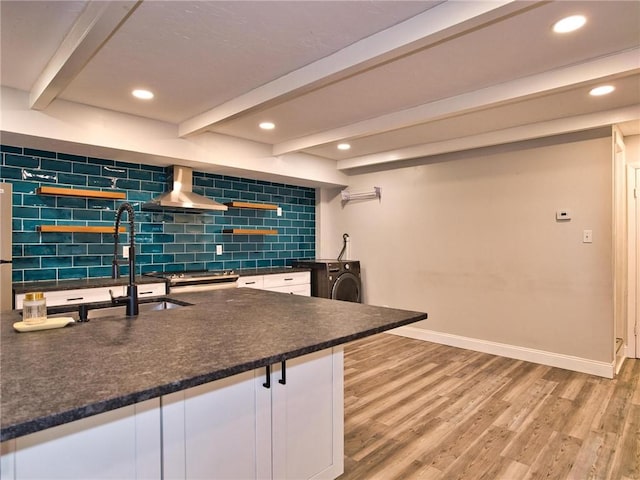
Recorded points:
154,361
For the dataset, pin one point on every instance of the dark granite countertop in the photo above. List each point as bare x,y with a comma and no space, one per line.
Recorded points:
246,272
57,285
51,377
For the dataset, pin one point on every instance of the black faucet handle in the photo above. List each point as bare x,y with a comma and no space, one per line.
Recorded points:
114,300
83,313
132,300
115,270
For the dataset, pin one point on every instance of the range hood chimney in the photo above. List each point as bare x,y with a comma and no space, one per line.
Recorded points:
181,197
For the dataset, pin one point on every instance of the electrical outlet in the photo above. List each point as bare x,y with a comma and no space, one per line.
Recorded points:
218,249
125,251
587,236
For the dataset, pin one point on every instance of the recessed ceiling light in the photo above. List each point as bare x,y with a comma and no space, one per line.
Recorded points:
602,90
142,94
267,125
569,24
344,146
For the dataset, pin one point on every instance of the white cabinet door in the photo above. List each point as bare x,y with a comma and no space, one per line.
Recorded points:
219,430
7,460
304,290
76,296
296,283
308,417
98,294
254,281
286,279
150,290
122,443
236,429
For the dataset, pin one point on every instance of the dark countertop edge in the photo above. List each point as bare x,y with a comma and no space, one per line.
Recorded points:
96,282
24,428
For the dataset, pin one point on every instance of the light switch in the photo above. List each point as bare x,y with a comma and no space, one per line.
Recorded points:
563,215
218,249
279,211
587,236
125,251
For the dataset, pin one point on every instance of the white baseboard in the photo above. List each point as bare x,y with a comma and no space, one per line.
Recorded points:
568,362
629,352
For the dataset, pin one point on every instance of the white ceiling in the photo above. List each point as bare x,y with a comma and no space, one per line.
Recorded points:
396,79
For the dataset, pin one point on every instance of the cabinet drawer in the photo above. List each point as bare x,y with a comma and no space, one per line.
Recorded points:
284,279
151,290
101,294
80,295
304,289
251,282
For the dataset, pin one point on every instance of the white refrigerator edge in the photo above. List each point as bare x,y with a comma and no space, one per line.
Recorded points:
6,230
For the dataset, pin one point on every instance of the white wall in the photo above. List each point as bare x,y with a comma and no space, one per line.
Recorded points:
632,144
472,240
632,153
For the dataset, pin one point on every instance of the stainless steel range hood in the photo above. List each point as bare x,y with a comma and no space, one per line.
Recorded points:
181,197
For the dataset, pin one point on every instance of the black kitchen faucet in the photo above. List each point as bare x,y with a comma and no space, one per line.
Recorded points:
131,298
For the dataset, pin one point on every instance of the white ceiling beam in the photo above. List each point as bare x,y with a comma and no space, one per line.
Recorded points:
96,23
498,137
544,83
445,20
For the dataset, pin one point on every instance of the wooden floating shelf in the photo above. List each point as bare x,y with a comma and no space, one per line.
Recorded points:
258,206
78,229
247,231
75,192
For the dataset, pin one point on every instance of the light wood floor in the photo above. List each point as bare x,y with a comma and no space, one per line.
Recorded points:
418,410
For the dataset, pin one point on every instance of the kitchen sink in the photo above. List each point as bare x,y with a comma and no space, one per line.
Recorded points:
142,308
106,309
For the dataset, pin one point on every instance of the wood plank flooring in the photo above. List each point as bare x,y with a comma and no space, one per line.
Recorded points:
418,410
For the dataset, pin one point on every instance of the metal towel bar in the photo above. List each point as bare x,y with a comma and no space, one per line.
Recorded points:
346,195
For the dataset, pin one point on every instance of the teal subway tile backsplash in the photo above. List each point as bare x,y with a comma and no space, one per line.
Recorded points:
164,240
56,165
57,262
39,250
72,179
39,153
74,158
35,275
70,273
11,149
